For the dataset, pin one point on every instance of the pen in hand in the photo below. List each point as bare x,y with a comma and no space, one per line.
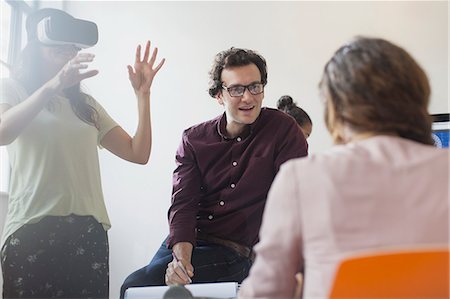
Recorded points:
181,266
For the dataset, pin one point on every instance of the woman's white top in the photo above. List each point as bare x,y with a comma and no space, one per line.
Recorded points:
54,163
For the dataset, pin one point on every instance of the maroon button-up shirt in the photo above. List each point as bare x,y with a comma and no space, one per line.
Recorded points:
220,184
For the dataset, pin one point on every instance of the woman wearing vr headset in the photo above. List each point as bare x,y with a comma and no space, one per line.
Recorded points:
55,243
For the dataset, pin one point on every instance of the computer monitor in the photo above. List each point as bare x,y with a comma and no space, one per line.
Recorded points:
441,129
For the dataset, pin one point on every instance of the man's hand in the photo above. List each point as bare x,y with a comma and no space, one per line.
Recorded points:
180,270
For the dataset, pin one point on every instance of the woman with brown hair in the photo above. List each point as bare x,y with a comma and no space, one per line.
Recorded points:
382,186
55,242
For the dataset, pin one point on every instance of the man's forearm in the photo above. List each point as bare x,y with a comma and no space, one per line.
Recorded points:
183,251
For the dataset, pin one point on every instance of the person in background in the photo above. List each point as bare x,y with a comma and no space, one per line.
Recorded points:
287,105
225,167
55,242
382,186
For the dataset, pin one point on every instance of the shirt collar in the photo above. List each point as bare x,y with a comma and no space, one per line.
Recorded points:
248,130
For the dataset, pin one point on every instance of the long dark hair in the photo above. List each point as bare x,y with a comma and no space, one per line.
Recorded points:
373,85
28,70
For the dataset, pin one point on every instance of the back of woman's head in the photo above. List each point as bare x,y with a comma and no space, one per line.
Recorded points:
287,105
372,85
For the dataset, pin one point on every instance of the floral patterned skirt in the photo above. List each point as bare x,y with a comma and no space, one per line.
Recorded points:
58,257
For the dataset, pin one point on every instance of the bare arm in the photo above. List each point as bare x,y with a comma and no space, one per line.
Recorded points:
14,119
137,149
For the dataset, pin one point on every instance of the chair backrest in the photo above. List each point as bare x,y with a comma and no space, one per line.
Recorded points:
406,274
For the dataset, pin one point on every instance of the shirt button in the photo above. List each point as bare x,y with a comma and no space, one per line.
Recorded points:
232,185
234,163
210,217
221,203
198,217
238,139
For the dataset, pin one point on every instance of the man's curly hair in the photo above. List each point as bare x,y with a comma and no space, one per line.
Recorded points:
231,58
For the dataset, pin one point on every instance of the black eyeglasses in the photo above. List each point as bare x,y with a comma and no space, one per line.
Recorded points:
239,90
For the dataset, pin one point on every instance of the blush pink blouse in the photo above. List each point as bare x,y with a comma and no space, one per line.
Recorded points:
376,194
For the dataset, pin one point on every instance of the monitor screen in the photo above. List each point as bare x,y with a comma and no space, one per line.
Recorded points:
441,129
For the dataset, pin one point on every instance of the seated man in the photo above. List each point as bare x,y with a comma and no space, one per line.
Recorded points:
225,167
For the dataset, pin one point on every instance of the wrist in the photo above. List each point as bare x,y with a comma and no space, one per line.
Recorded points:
143,95
50,90
183,251
53,86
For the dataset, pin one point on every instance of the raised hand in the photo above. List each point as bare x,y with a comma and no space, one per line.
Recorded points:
70,74
141,77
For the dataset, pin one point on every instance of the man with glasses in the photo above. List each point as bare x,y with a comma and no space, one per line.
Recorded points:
225,167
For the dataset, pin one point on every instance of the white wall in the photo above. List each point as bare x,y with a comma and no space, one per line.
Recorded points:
296,38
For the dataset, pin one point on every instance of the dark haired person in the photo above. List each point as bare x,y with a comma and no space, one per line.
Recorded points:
383,186
55,242
225,167
287,105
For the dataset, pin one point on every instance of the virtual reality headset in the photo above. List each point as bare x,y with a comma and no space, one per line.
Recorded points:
59,30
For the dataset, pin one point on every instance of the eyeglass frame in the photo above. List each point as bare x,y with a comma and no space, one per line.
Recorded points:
246,87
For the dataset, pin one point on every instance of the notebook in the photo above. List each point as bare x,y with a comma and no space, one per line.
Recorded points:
222,290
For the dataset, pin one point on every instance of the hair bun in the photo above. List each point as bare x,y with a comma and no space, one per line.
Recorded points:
285,103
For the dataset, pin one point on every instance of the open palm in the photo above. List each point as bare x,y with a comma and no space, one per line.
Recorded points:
141,77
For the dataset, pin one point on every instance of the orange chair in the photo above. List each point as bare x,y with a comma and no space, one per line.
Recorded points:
406,274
